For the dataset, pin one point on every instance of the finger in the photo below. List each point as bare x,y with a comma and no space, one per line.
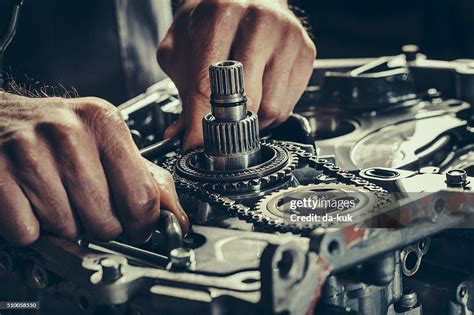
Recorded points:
134,191
168,196
83,176
208,46
18,224
248,49
195,109
34,168
275,107
176,128
301,71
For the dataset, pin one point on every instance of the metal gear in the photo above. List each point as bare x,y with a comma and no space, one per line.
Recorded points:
277,167
276,210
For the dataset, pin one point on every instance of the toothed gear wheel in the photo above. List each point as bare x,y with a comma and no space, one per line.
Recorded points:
278,165
272,212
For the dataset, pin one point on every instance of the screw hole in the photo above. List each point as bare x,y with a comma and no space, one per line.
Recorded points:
84,303
439,205
333,247
422,244
411,261
285,264
249,280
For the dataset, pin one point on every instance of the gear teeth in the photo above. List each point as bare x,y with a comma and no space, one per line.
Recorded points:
226,79
255,182
285,227
233,137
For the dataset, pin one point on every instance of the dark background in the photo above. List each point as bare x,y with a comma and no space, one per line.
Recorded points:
49,49
367,28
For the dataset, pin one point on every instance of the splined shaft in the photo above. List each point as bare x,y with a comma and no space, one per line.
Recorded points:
231,135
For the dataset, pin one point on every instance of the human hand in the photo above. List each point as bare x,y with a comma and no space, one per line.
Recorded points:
263,35
69,166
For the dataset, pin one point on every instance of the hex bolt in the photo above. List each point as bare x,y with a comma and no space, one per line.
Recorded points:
182,257
39,277
456,178
408,300
410,52
111,270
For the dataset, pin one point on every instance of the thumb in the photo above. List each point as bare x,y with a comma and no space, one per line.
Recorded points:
194,111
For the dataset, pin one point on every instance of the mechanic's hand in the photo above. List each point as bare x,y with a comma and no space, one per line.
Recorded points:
264,35
69,166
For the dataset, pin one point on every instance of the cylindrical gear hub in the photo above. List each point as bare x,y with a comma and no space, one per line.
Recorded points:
231,134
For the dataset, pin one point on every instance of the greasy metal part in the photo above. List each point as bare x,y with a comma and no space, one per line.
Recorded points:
111,270
456,178
131,251
227,87
351,290
107,277
282,267
231,134
181,258
275,208
168,235
412,255
229,267
161,148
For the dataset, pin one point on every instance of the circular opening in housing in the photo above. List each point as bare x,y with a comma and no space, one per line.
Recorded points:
457,172
382,173
327,127
462,292
411,261
285,264
333,247
84,303
439,205
422,244
250,280
226,63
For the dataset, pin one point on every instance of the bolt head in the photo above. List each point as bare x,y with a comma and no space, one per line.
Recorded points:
456,178
111,269
182,257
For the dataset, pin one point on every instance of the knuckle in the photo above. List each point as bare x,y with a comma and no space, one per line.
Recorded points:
309,52
256,12
270,112
282,118
67,130
24,138
206,8
101,117
94,107
20,144
199,95
168,177
144,204
164,54
293,32
65,229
